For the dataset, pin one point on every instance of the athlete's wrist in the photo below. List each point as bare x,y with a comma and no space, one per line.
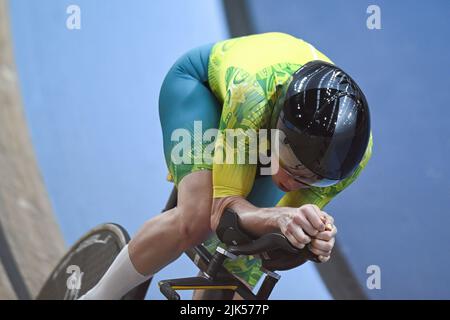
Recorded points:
274,216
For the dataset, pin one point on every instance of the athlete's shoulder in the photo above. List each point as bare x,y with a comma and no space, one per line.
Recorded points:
277,35
265,56
271,35
258,37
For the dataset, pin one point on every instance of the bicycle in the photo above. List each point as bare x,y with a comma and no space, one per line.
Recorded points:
97,249
273,249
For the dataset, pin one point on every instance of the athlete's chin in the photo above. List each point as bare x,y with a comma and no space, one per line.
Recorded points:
288,187
285,183
283,187
292,188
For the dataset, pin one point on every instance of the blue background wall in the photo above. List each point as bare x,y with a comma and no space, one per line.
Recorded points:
90,98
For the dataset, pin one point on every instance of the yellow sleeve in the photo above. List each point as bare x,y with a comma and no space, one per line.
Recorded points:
245,108
233,180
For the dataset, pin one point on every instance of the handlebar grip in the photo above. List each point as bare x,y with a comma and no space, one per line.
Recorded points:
168,292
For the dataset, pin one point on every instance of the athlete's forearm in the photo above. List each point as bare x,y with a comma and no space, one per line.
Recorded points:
254,220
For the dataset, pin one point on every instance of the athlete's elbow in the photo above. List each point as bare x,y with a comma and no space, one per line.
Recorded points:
219,205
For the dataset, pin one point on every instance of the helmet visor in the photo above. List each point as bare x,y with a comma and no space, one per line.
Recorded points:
297,170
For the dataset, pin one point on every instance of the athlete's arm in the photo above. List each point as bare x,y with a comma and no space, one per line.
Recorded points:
297,224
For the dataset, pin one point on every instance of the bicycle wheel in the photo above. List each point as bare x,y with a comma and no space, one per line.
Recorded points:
86,262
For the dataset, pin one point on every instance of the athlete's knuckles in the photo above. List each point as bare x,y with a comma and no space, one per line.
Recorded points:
290,227
298,217
326,236
295,243
303,239
306,210
330,218
316,208
299,245
331,243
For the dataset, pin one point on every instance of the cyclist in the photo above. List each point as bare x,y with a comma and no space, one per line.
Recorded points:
263,81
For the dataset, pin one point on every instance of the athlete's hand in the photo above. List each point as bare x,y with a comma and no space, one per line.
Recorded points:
323,242
299,225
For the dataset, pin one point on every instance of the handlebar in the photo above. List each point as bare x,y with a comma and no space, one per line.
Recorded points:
168,292
240,243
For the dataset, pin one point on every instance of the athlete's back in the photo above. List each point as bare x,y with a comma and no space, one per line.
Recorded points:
256,52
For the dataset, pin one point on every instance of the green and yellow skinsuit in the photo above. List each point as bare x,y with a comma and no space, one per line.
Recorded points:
235,84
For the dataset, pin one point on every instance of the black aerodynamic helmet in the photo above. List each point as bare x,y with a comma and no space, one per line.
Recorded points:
324,124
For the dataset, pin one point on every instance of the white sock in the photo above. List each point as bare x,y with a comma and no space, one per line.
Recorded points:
120,278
